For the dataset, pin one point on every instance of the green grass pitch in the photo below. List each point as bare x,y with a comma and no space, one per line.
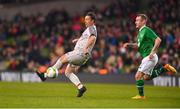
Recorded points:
55,95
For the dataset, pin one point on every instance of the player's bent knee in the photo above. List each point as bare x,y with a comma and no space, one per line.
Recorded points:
69,70
64,59
146,77
67,74
139,75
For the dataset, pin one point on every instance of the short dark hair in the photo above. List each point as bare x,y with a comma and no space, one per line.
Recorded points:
143,16
92,15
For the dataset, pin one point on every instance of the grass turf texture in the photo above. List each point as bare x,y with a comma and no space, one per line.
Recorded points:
54,95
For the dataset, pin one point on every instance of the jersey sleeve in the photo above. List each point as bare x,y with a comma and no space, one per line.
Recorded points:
151,34
92,31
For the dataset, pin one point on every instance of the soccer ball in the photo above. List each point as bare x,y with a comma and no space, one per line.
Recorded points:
52,72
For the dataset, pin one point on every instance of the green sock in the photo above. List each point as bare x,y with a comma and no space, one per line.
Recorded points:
156,72
140,87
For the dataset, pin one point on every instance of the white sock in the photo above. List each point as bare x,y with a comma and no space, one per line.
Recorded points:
45,75
74,79
58,64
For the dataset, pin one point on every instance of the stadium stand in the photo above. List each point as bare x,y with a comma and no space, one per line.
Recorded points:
29,41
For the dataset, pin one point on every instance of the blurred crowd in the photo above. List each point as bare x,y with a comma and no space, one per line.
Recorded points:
27,42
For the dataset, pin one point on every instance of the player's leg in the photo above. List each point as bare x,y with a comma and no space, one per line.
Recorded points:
162,69
155,72
62,60
77,59
143,73
140,85
69,72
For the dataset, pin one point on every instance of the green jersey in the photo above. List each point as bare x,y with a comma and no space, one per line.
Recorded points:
145,39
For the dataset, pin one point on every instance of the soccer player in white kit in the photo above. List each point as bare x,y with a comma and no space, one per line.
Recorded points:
79,56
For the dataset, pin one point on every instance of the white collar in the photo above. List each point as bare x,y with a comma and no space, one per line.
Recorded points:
142,27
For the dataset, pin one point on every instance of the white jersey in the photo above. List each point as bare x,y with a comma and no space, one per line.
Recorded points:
81,43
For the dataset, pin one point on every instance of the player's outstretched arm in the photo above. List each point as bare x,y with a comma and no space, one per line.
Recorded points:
133,45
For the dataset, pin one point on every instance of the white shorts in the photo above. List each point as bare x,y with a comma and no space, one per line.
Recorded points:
77,58
147,65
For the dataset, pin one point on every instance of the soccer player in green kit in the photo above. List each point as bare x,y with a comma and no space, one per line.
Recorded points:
147,44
